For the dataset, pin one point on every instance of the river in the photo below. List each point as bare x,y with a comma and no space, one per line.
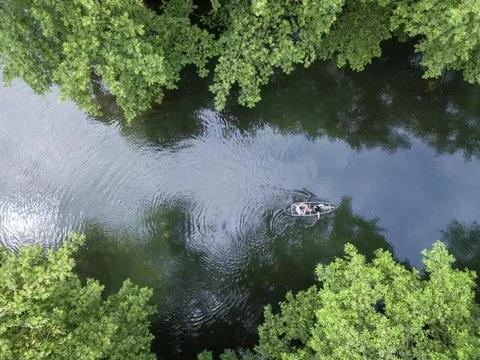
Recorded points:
192,202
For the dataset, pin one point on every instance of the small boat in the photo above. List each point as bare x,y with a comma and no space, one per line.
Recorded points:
312,208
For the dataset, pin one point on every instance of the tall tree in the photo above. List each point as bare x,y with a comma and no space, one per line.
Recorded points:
262,36
132,51
136,53
47,313
448,33
378,310
375,310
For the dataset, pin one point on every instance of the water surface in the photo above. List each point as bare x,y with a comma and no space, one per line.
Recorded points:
192,202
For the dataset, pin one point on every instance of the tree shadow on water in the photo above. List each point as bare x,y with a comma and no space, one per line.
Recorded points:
463,241
150,257
386,106
174,120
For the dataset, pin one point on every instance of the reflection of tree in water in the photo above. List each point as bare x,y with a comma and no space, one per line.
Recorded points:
112,256
159,260
464,243
381,107
165,124
186,283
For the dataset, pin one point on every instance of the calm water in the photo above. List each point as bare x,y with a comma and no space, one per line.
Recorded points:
192,202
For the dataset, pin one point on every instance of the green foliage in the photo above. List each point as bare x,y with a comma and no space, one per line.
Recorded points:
136,54
264,35
356,36
378,310
448,33
46,313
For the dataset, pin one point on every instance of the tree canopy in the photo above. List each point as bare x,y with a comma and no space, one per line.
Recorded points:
47,313
130,50
136,53
375,310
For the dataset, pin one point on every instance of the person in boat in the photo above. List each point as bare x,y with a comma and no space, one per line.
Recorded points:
303,209
317,209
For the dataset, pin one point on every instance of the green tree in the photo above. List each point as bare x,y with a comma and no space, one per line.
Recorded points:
260,36
448,33
47,313
136,53
376,310
463,241
132,51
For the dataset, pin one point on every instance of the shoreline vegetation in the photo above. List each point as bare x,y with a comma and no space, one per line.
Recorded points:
377,309
136,51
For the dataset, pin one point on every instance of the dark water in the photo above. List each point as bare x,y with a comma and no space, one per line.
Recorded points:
192,202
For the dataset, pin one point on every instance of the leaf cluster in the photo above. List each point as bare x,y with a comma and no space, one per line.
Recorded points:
378,310
375,310
47,313
135,53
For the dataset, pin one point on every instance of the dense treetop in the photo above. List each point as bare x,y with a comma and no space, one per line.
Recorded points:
136,52
375,310
47,313
133,52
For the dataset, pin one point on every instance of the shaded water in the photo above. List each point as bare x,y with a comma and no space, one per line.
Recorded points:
192,202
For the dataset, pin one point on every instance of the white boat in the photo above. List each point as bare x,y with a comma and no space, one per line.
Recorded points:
312,208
